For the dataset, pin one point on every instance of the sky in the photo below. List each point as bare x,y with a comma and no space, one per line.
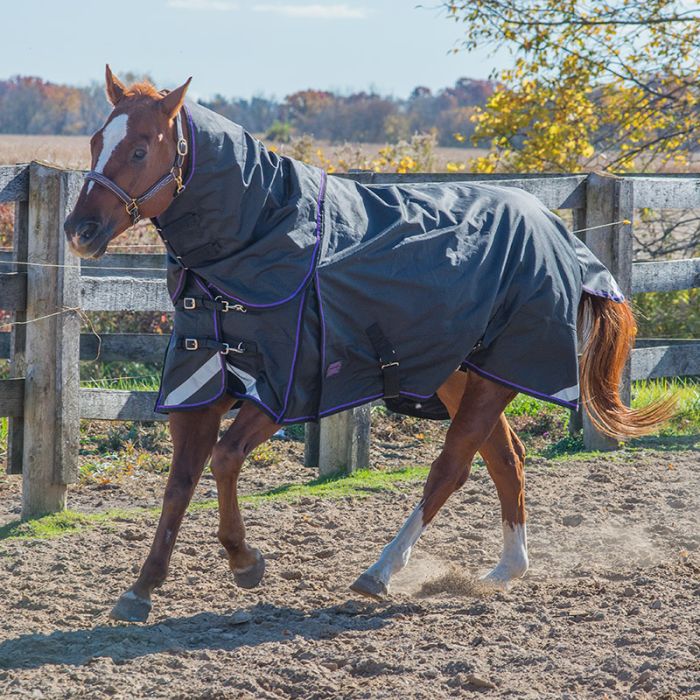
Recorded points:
241,49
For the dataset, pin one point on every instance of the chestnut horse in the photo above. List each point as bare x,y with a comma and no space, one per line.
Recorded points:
142,149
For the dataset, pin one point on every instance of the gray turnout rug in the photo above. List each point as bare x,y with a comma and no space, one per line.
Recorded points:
309,294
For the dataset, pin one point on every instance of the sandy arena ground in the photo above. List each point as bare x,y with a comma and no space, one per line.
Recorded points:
609,609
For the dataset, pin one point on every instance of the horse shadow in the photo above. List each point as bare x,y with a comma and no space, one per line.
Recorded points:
202,631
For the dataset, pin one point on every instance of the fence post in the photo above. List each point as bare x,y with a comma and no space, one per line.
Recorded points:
339,443
18,334
51,397
610,200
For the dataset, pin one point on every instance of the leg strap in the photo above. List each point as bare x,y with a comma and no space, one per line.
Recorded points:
388,361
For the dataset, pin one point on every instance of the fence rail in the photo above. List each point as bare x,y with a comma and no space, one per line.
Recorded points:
43,398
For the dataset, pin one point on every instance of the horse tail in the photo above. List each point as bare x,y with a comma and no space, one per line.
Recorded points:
611,331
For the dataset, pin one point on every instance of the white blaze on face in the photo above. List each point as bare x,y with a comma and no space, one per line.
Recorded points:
514,561
396,554
112,135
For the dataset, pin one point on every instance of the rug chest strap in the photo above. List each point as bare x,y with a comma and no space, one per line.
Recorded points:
218,304
236,347
388,361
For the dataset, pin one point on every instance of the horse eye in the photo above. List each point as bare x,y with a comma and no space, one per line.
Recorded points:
139,154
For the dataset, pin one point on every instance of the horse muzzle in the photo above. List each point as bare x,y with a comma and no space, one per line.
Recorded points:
87,238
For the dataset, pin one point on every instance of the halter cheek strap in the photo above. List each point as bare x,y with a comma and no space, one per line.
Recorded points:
132,204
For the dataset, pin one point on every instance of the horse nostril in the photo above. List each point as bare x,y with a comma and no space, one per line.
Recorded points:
86,230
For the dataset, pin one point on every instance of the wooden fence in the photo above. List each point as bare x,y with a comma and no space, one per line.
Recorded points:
43,397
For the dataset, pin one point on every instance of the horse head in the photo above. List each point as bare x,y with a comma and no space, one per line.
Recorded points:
138,158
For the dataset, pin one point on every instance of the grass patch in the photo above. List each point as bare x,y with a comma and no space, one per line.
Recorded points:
358,485
524,405
687,391
46,527
126,376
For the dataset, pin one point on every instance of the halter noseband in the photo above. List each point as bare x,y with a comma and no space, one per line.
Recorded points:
132,204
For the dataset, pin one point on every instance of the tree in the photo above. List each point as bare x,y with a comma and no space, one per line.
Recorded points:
611,83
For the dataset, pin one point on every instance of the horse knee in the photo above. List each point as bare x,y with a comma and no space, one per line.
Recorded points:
179,488
227,460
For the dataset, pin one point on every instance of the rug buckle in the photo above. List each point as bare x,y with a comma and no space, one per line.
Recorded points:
191,344
238,349
189,303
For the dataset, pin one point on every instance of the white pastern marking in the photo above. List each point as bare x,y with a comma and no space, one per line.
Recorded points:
514,561
112,135
397,553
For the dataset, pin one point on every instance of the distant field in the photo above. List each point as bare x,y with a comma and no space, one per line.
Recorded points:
74,151
66,151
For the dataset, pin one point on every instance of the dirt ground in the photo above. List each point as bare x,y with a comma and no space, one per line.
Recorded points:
610,607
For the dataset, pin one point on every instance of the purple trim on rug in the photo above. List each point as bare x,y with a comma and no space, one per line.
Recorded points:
300,419
350,404
605,295
525,390
294,358
259,402
180,284
203,287
193,146
323,328
319,204
411,395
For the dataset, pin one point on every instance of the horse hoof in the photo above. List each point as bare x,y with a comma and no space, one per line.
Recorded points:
251,576
370,586
131,608
495,582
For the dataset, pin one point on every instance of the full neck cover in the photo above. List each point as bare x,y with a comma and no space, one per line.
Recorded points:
247,222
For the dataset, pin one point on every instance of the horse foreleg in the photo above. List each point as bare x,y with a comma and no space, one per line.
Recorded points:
251,428
480,406
194,434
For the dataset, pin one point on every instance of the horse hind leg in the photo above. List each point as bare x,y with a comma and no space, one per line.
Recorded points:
476,412
504,455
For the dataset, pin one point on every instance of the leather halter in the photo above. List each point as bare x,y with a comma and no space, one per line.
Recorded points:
132,204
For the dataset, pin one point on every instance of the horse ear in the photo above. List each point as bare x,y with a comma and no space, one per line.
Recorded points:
115,88
172,102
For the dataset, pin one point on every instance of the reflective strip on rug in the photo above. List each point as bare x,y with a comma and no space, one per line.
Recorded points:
192,385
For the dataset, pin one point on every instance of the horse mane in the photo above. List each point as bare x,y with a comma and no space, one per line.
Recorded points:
142,89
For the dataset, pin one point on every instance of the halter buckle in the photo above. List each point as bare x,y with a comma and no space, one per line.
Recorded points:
182,147
132,209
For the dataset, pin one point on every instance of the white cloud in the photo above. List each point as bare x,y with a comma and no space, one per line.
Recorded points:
218,5
315,11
